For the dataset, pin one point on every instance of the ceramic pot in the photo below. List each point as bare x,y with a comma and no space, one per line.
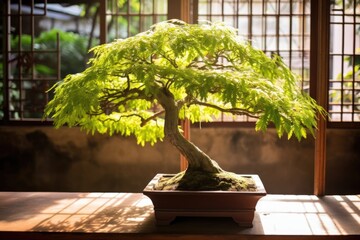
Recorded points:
239,205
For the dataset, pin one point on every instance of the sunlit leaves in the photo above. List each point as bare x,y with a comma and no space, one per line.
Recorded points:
207,69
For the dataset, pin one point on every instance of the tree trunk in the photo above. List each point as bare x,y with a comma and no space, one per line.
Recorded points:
197,159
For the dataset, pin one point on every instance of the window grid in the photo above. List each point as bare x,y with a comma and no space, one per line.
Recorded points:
127,18
344,80
274,26
26,89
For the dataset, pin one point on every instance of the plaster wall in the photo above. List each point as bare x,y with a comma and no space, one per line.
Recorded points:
46,159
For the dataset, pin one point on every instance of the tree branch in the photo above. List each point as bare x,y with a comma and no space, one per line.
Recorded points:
234,111
122,116
146,120
171,61
128,82
111,101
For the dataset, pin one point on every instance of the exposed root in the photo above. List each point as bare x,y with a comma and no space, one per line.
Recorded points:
203,181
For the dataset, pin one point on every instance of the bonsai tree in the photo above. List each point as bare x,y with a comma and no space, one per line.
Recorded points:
144,84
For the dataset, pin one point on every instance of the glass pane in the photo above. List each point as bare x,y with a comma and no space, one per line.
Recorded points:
257,7
335,96
271,25
357,7
356,68
271,44
110,5
160,18
204,7
134,25
296,63
284,25
349,19
146,6
349,6
336,19
296,43
218,18
284,43
335,41
285,57
230,20
216,7
306,26
336,7
285,7
161,6
306,44
307,8
243,7
348,68
349,38
335,67
229,7
271,7
257,25
297,7
257,42
118,28
134,6
146,22
296,25
243,26
120,6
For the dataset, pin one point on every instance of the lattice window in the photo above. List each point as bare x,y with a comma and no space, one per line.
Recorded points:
129,17
46,41
31,66
274,26
344,79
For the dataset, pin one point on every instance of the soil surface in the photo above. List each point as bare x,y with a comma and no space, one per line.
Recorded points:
203,181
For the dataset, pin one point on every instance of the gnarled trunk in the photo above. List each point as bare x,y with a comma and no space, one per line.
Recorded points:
197,159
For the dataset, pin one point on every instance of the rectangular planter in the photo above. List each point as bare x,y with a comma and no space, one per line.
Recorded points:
169,204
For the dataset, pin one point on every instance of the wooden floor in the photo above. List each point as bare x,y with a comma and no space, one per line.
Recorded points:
39,215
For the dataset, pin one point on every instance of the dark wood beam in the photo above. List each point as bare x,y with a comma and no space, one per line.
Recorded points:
102,20
320,12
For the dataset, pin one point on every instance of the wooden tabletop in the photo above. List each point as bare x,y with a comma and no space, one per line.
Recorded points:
131,214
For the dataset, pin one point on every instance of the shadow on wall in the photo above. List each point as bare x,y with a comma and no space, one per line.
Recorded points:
46,159
284,166
343,162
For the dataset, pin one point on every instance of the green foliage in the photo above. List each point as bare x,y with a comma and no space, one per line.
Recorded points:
347,93
73,51
207,69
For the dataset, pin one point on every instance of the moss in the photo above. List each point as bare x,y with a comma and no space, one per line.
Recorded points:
203,181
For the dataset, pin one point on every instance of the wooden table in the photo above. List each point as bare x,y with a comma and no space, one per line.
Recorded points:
56,215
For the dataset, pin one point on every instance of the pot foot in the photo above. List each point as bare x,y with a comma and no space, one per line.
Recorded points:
244,219
164,218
